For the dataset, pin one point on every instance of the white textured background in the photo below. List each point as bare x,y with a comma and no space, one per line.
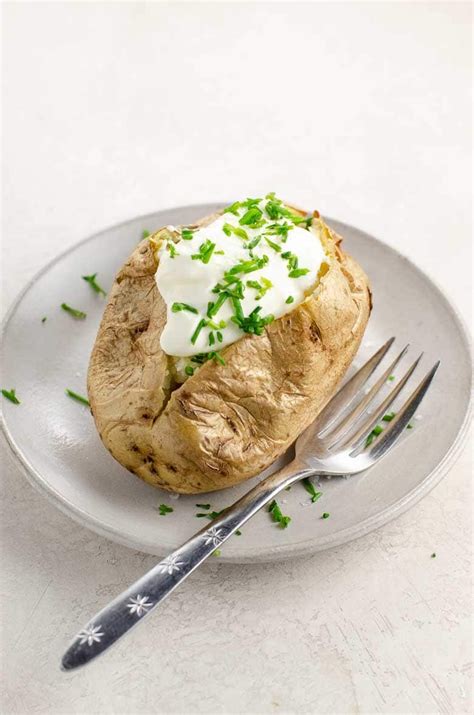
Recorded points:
361,110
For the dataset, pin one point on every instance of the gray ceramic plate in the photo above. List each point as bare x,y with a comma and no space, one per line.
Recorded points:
55,440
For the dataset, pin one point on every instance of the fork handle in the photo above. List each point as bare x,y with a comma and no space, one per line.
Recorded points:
133,605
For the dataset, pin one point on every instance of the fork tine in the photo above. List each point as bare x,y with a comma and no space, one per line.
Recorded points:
357,438
348,391
347,421
398,424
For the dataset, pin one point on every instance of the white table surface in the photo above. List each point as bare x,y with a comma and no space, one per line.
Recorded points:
360,110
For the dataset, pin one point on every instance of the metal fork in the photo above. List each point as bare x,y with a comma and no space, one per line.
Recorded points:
335,444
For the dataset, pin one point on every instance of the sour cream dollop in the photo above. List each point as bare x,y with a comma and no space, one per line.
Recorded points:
189,271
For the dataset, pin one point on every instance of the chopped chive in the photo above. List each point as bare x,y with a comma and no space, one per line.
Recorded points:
254,264
266,284
391,378
199,327
203,506
219,336
43,320
254,242
73,311
277,515
165,509
249,203
236,230
213,308
212,339
234,287
145,233
273,245
297,272
293,262
251,217
187,234
217,357
290,299
217,552
11,395
201,358
378,429
273,210
189,370
238,533
253,323
375,433
309,486
211,515
325,515
279,229
372,435
93,284
178,307
433,555
233,208
261,286
216,326
78,398
172,250
239,313
240,232
276,210
300,219
206,250
214,514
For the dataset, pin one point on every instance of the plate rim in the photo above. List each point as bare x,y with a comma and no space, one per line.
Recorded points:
277,552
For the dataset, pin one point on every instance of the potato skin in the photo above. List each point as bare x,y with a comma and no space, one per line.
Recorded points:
228,422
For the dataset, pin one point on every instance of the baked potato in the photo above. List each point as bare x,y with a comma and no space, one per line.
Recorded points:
222,421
